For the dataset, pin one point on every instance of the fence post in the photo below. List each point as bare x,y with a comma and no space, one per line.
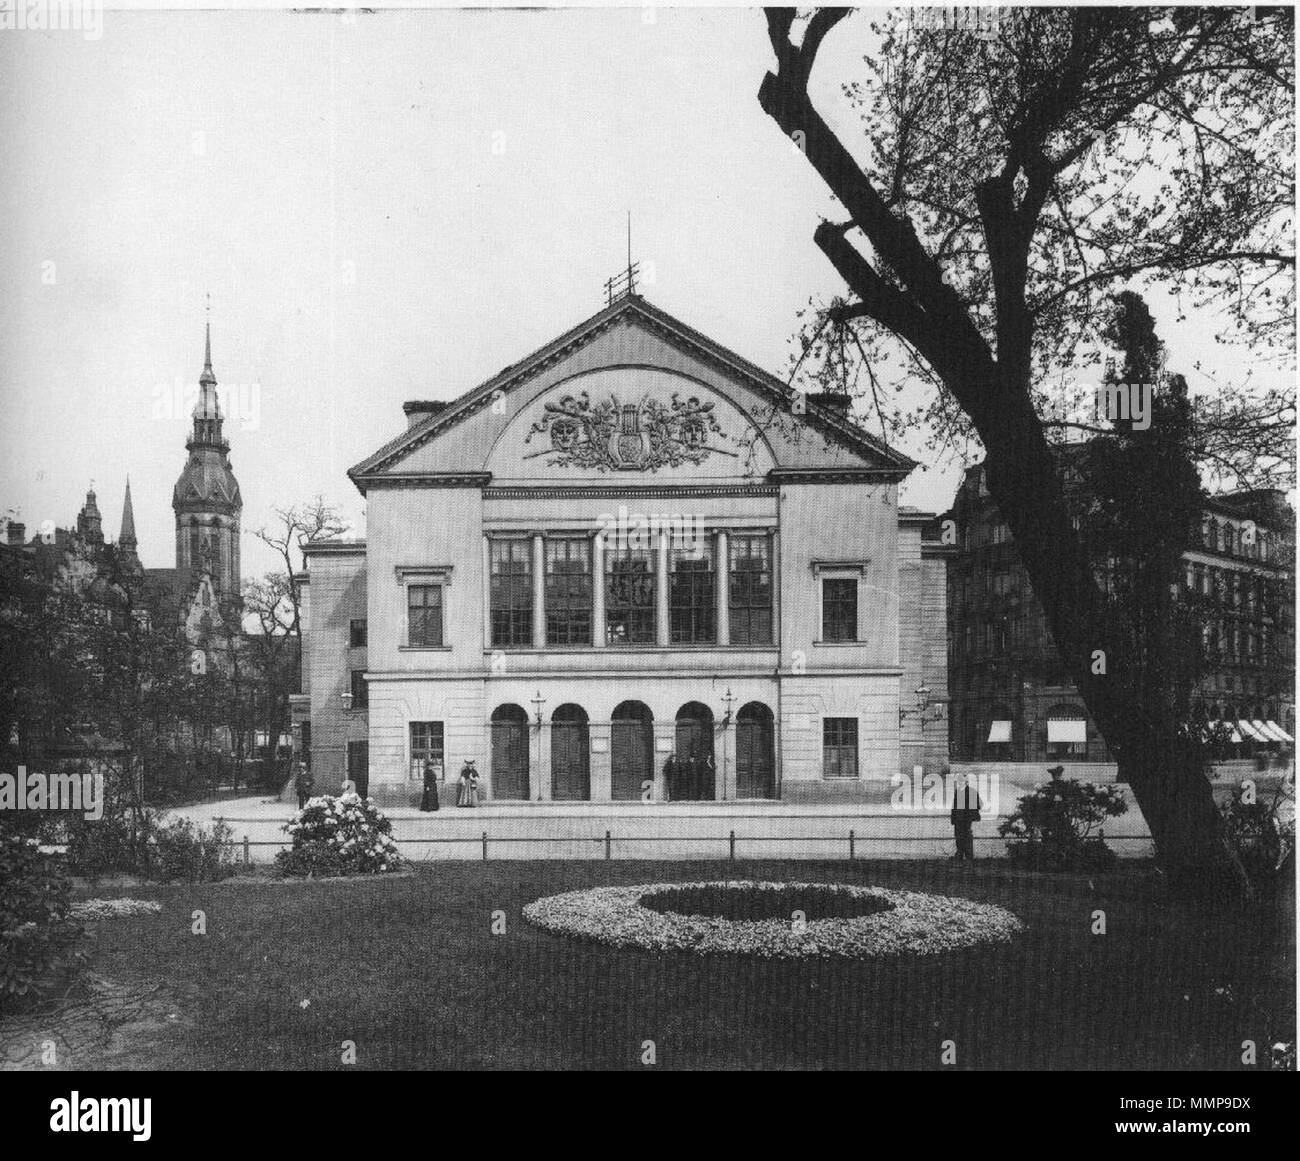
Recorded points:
248,858
731,854
485,846
850,846
607,847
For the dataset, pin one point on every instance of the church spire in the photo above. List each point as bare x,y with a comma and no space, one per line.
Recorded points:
126,542
128,519
207,409
207,377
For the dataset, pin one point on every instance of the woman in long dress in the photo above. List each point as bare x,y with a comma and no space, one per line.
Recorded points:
462,786
430,799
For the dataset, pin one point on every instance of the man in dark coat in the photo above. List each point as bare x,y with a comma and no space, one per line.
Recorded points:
304,784
671,790
965,812
430,799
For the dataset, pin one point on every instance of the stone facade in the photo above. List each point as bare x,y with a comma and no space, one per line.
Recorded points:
566,579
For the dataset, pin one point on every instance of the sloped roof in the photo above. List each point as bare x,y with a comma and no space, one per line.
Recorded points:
826,419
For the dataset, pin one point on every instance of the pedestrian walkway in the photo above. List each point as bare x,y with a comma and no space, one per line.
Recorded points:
635,830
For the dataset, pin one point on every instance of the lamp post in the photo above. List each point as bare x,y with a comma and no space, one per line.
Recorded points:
346,699
538,701
728,699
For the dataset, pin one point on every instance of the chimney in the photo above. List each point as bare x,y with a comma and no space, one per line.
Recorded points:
836,401
17,533
418,410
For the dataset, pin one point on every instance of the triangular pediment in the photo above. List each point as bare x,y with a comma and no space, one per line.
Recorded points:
632,395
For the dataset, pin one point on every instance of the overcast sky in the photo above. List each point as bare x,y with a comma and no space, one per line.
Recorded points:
384,208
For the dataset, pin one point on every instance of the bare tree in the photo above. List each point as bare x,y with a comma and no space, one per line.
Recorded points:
1006,185
296,526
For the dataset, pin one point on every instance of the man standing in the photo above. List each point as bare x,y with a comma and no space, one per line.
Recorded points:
303,783
965,813
671,790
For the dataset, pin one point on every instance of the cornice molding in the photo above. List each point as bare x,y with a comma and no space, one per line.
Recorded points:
422,480
835,475
552,491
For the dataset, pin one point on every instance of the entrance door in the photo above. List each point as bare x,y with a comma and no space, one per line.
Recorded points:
359,767
510,752
570,754
755,752
631,750
696,771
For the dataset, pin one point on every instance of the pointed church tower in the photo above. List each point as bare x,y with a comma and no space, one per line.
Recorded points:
126,542
206,498
90,525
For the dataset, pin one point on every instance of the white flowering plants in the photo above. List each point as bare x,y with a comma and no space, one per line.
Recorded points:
347,835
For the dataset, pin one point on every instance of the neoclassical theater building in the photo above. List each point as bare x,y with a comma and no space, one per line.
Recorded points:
629,546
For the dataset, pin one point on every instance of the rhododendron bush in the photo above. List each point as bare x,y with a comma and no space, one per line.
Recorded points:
347,835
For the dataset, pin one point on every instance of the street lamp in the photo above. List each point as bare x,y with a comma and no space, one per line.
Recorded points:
728,700
346,699
538,701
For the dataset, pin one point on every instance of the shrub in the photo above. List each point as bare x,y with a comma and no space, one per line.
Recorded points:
113,844
1261,830
37,938
144,845
182,850
1051,829
340,836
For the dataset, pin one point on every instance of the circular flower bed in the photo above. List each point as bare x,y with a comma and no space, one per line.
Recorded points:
777,920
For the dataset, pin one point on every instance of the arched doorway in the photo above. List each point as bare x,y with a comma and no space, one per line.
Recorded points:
696,771
510,752
755,752
631,750
570,754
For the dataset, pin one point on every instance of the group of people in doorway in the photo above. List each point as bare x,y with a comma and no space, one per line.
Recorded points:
467,789
689,779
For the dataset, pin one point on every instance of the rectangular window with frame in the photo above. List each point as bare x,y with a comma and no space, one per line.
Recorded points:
426,744
424,616
839,608
750,592
839,747
568,591
356,634
511,592
629,595
360,697
692,604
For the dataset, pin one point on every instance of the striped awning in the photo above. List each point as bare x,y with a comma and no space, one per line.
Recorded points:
999,731
1234,735
1249,731
1277,732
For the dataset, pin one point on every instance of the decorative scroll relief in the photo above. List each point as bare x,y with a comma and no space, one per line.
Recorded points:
612,436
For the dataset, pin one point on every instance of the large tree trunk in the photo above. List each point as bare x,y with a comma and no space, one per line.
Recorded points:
1162,768
1023,476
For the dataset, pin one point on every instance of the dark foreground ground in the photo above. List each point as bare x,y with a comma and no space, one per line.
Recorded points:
409,970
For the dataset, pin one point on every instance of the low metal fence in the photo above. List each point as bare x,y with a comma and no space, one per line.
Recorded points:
849,843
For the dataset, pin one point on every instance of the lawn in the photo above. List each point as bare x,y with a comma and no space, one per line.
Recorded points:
411,972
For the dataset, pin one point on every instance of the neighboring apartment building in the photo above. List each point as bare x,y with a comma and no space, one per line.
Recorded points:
1011,696
629,545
